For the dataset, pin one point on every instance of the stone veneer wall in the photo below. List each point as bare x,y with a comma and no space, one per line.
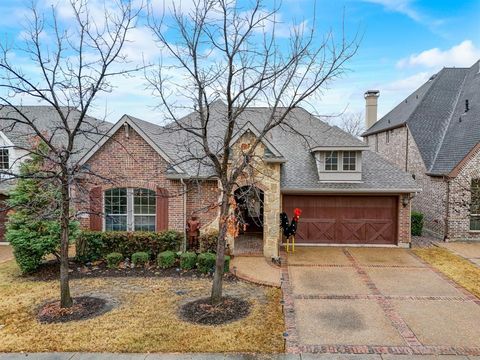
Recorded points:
265,176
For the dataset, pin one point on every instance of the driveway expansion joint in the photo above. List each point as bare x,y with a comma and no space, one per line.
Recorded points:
398,323
413,346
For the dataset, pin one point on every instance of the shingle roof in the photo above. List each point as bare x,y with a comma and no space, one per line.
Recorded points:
294,140
47,120
435,115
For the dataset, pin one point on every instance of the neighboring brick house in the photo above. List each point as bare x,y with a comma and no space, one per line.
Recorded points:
434,134
140,176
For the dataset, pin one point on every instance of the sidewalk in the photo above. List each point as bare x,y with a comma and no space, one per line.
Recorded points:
111,356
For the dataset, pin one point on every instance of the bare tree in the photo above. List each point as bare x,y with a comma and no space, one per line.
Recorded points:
352,123
242,56
70,64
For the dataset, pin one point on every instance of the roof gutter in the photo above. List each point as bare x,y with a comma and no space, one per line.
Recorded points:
348,191
368,133
339,147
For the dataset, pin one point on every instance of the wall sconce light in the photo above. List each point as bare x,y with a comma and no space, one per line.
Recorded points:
406,200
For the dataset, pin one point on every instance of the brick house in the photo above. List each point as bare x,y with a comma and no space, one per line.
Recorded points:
434,134
141,176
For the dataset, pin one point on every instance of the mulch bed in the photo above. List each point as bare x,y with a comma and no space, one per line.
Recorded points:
50,271
202,312
84,307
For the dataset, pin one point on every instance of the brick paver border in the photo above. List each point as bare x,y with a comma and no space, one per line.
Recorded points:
414,346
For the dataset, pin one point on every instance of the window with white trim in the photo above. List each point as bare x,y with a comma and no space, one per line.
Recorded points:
331,161
4,159
349,160
144,209
129,209
475,205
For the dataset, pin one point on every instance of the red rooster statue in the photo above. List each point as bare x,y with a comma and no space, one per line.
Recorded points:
290,229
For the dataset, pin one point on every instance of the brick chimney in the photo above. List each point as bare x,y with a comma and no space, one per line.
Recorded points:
371,101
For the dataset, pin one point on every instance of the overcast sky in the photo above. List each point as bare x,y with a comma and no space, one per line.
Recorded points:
404,43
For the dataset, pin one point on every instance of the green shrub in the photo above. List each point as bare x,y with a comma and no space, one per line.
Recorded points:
227,264
417,223
92,245
114,259
206,262
140,258
33,229
188,260
166,259
208,241
32,240
89,246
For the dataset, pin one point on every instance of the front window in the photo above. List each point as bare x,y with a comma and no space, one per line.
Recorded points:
331,161
128,209
4,159
349,160
144,210
116,210
475,205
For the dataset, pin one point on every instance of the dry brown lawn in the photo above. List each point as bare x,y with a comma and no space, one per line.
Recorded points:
144,317
456,268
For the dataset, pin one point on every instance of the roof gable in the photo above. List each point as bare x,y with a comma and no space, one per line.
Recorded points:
435,115
249,127
126,119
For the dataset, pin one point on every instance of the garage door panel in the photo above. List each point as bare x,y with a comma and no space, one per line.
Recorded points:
352,232
344,219
320,231
379,232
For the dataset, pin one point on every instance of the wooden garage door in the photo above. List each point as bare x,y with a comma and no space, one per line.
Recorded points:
344,219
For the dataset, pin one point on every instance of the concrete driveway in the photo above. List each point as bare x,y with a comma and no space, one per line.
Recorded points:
375,300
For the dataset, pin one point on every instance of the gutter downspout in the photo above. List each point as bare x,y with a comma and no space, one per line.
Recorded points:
184,245
447,211
406,151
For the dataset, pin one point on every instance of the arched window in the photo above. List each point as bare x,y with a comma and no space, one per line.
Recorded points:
130,209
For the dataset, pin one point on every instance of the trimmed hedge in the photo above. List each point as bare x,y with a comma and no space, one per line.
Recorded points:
94,245
206,263
188,260
208,241
114,259
140,258
417,223
166,259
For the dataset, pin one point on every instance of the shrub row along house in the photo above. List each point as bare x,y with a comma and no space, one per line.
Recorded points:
138,176
434,134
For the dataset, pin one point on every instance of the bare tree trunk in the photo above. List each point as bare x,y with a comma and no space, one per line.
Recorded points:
217,285
65,298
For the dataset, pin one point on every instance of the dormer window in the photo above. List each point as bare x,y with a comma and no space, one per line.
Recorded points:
342,164
349,160
4,159
331,161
